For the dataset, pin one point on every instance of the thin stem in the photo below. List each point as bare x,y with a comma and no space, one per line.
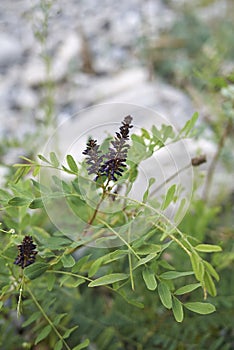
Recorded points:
19,304
130,270
70,274
130,262
121,238
213,164
48,319
170,178
180,244
91,220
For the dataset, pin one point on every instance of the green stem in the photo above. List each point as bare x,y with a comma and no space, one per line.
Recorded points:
213,164
180,244
130,262
170,178
130,270
70,274
19,304
48,319
121,238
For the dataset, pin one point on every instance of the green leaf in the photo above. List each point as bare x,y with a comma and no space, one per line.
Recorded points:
80,263
149,278
19,201
64,279
146,249
146,194
67,170
208,248
4,195
138,138
133,171
51,282
145,260
59,318
82,345
185,131
169,275
138,150
72,164
177,309
211,270
187,289
200,308
78,282
197,265
36,203
21,172
54,160
108,279
69,332
56,243
145,134
35,270
43,334
32,318
157,136
180,212
209,284
59,345
131,301
36,170
26,220
40,187
68,260
66,187
165,295
41,157
169,197
166,265
113,256
167,132
95,266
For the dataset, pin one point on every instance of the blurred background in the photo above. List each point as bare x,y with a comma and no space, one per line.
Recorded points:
59,57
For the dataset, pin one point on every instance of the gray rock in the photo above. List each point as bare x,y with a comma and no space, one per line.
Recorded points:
10,50
23,98
35,73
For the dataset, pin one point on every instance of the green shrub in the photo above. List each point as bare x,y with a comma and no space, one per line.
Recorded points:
67,293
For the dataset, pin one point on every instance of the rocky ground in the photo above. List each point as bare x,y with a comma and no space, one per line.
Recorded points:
94,51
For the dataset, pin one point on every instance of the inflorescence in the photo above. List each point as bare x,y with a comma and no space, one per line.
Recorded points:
112,163
26,252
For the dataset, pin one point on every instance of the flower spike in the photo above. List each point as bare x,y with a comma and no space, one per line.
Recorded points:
26,252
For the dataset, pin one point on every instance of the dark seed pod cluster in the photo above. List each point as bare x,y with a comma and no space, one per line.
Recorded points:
112,163
26,252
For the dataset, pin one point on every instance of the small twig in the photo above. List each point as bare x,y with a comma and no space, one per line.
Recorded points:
213,164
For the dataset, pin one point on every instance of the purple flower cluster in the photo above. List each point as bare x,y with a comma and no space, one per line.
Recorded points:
112,163
94,157
26,252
